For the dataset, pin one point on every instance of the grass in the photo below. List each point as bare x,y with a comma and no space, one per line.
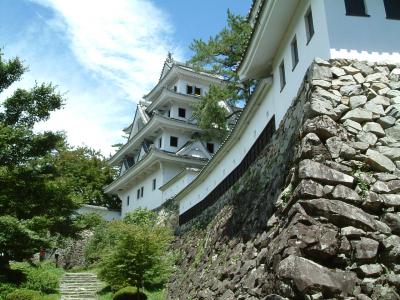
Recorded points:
43,277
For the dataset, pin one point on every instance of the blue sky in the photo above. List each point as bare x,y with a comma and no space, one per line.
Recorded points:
103,54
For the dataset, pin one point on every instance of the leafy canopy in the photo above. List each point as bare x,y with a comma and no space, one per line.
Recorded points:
43,181
132,252
221,55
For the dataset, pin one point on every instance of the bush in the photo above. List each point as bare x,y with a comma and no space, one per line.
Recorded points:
140,256
23,294
129,293
43,278
88,221
5,289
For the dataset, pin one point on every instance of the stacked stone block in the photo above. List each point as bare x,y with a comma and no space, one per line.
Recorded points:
317,216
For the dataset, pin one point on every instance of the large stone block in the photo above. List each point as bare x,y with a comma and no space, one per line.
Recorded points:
379,162
358,115
346,194
343,214
365,250
309,169
323,126
309,276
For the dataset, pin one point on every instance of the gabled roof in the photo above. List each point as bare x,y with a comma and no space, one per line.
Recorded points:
172,69
194,146
157,121
140,114
150,160
168,63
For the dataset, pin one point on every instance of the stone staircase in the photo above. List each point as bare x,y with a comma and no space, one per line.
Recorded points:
79,286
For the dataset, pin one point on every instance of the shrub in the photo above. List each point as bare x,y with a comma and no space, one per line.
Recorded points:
88,221
43,278
5,289
139,257
129,293
23,294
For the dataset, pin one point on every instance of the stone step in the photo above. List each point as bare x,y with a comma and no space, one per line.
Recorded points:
77,291
79,282
79,286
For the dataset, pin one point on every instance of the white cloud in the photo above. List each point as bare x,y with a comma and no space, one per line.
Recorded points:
125,41
119,44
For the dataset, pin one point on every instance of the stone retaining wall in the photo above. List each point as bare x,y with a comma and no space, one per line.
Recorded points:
317,216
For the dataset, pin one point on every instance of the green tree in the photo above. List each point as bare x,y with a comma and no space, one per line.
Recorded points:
221,55
35,201
86,172
135,251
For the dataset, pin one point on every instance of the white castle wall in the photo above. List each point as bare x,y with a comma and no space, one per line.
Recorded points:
151,198
105,213
274,101
373,38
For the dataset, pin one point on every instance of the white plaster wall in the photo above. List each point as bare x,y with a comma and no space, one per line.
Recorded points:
373,38
183,82
169,171
182,139
106,214
276,101
179,185
151,198
174,109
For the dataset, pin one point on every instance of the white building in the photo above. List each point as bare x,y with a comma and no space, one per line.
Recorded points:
163,153
287,36
104,212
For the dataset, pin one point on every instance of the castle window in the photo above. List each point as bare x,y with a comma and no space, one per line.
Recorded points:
189,89
141,192
159,142
127,201
309,25
197,91
175,88
138,194
282,75
392,8
355,8
295,53
210,147
182,113
173,141
154,183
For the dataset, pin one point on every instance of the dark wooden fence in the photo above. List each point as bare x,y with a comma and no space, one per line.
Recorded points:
234,176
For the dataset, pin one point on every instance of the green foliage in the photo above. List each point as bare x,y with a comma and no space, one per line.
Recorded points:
5,289
35,201
86,172
221,55
132,252
10,71
43,181
129,293
24,294
138,258
88,221
211,116
44,277
141,217
287,194
363,185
